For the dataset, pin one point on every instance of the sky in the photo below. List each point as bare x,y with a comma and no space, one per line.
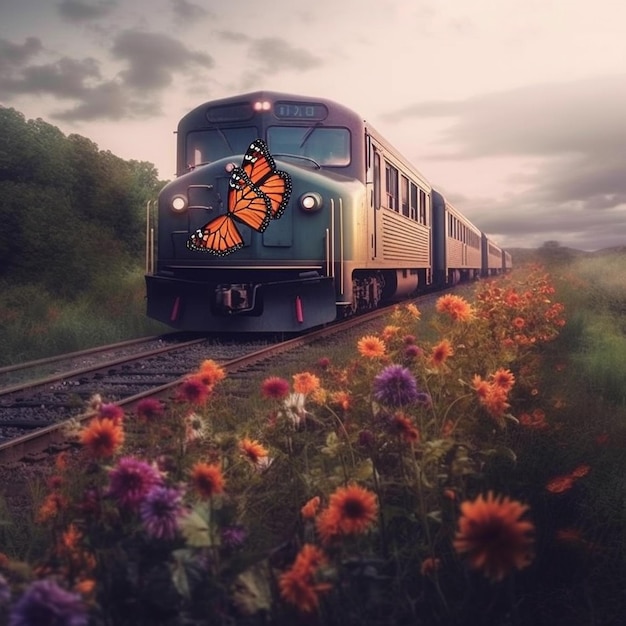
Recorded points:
515,110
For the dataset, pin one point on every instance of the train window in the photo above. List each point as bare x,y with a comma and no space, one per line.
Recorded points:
414,205
206,146
391,186
326,146
404,195
422,207
376,180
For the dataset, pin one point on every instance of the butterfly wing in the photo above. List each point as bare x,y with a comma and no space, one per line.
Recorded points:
277,187
220,236
246,203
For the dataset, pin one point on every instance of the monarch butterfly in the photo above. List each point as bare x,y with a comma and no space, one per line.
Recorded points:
257,193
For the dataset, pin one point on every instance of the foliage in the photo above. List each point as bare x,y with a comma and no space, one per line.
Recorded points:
440,480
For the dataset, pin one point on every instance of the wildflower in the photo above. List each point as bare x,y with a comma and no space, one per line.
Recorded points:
341,398
111,411
207,479
44,603
535,420
275,387
253,450
194,390
309,510
389,332
413,311
405,428
196,427
580,471
131,480
412,351
441,352
149,409
481,386
495,403
305,383
355,509
210,373
455,307
371,347
323,363
233,536
294,409
395,386
298,585
102,437
560,484
519,323
160,510
504,379
493,537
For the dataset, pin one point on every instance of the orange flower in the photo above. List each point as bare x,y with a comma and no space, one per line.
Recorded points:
481,386
253,450
305,383
342,398
405,428
354,507
298,585
493,537
207,479
535,421
456,307
413,311
102,437
194,390
580,471
430,565
211,373
441,352
371,347
389,332
504,379
309,510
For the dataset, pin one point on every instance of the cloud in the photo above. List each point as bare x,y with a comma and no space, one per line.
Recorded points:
274,55
77,11
14,55
186,11
154,58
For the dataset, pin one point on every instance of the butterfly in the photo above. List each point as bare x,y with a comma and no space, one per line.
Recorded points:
257,193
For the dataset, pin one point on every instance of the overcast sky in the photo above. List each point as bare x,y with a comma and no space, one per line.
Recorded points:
514,109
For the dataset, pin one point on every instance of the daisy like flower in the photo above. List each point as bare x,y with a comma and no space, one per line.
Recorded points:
102,437
275,387
44,603
305,383
253,450
351,510
493,537
131,480
298,585
211,373
371,347
160,511
207,479
395,386
441,353
309,510
455,307
504,379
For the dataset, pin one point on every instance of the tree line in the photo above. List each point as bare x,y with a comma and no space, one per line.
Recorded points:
68,211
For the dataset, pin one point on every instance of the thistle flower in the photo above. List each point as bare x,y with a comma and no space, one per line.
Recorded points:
149,409
131,480
395,386
493,537
194,390
44,603
111,411
160,510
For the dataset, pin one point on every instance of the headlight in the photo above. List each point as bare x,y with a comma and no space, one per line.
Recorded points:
179,203
310,201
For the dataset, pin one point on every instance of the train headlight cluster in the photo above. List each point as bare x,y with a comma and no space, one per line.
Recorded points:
179,203
310,201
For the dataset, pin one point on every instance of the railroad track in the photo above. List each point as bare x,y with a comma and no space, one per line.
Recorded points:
118,382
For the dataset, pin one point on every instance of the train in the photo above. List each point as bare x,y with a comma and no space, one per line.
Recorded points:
288,212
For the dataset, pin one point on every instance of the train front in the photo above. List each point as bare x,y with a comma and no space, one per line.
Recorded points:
220,264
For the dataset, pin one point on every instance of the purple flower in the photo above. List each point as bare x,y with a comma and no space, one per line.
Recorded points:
44,603
233,536
160,511
395,386
131,480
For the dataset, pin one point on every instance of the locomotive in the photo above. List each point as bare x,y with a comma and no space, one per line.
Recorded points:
354,223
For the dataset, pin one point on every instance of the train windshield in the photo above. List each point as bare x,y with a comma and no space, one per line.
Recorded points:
325,146
206,146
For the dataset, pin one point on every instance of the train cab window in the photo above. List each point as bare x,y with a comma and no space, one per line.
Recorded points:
391,186
326,146
206,146
376,180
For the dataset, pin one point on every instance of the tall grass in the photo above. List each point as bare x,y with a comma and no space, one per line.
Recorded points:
35,323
